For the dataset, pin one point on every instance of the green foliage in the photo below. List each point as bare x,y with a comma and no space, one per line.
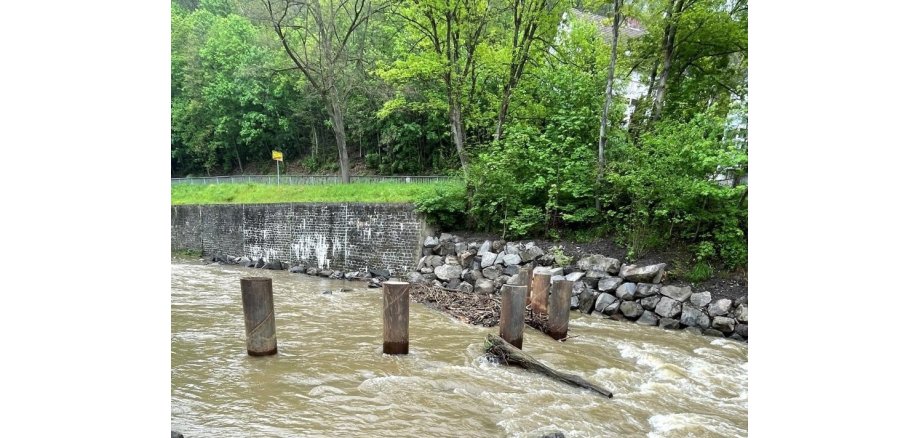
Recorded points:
559,256
267,193
444,207
701,271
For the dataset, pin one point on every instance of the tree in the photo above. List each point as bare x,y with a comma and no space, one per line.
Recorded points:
608,97
319,37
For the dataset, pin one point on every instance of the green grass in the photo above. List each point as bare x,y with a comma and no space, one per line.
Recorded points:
266,194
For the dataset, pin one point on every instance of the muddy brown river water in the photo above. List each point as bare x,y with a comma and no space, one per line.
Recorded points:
330,377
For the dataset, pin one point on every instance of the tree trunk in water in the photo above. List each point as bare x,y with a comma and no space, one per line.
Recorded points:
338,127
667,53
608,98
510,355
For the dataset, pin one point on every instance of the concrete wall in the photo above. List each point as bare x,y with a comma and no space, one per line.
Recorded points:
347,237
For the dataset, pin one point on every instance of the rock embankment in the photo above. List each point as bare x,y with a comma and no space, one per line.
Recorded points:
602,285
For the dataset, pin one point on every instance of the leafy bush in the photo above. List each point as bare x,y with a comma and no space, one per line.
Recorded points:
444,206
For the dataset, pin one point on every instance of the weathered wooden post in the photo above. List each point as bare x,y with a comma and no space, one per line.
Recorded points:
525,276
259,313
559,303
539,292
395,317
511,321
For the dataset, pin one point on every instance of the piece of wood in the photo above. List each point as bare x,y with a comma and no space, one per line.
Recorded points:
525,276
510,355
539,292
259,316
395,317
511,321
559,303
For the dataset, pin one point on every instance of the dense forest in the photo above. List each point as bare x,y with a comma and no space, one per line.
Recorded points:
625,118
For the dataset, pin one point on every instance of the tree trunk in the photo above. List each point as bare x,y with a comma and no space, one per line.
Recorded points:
667,53
608,98
338,127
510,355
503,111
458,132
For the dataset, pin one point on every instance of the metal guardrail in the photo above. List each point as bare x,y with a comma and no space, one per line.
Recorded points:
307,179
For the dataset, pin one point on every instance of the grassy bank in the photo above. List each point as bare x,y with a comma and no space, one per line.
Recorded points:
264,193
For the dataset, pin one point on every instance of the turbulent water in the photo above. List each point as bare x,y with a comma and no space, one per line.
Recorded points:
330,377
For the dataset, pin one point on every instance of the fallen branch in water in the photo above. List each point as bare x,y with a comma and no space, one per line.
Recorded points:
511,355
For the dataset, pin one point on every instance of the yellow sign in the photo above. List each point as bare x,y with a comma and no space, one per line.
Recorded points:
277,156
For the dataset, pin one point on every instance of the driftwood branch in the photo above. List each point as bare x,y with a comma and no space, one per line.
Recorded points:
510,355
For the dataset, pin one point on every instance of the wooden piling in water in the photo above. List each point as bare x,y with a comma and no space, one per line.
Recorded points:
525,276
259,315
395,317
559,304
539,292
511,321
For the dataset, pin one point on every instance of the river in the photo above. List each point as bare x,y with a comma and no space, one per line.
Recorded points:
331,379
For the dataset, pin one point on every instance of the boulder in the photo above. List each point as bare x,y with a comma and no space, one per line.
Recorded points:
575,302
373,285
445,249
431,242
586,300
465,287
380,273
426,270
669,324
609,283
578,287
556,271
741,313
451,260
597,262
546,259
296,269
556,278
591,282
447,272
485,247
694,330
415,278
677,292
176,434
472,275
453,283
446,237
631,309
511,259
245,261
736,337
713,332
460,247
338,275
511,269
627,291
502,280
466,258
700,299
720,307
612,308
491,272
648,318
433,261
693,317
668,307
531,253
650,302
742,329
350,275
597,274
723,324
574,276
484,286
645,274
488,259
326,272
259,264
498,245
312,271
647,290
603,300
427,251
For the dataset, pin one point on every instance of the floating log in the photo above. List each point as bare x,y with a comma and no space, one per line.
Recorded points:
395,317
259,315
510,355
539,292
559,304
511,323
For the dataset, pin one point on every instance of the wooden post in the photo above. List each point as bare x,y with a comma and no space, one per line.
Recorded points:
559,303
395,317
259,313
524,279
511,321
539,293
